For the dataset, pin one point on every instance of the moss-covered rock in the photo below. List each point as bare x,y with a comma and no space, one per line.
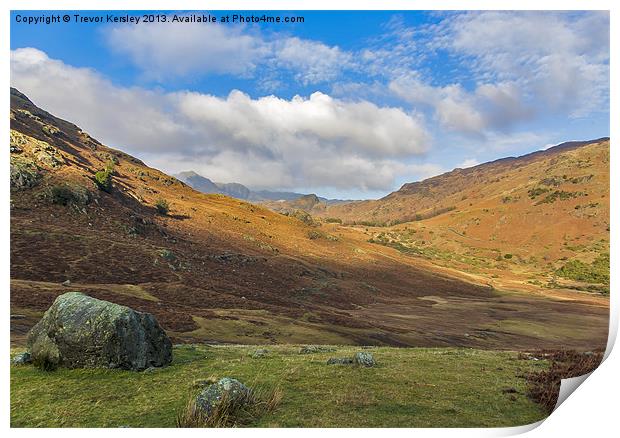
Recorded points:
226,390
339,361
364,359
78,331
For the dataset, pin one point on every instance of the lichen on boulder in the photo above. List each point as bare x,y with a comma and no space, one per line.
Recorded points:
364,359
79,331
226,390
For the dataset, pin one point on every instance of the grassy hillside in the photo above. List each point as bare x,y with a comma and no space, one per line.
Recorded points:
212,268
529,223
443,387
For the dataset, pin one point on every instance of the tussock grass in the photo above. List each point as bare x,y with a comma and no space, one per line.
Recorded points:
229,412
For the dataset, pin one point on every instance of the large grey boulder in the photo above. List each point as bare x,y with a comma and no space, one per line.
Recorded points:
232,391
79,331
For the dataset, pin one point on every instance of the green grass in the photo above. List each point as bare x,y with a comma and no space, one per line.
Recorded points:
406,244
410,387
596,272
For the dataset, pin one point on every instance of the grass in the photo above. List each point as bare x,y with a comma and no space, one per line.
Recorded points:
406,244
162,206
595,272
408,388
231,412
260,327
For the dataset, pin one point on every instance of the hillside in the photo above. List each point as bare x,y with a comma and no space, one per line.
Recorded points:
216,269
541,219
577,165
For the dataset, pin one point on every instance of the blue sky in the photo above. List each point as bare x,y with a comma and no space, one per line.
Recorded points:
347,104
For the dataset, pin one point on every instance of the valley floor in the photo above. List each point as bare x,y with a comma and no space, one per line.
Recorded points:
409,387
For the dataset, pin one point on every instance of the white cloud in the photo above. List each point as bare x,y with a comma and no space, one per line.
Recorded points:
469,162
488,107
266,142
524,65
313,61
317,121
121,116
560,59
161,50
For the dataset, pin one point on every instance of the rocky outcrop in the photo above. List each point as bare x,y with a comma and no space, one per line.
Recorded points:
78,331
24,173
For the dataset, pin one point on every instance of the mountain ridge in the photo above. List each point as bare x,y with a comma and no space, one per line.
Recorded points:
240,191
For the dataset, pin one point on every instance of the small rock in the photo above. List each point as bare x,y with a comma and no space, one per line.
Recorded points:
339,361
310,349
22,358
149,370
168,255
364,359
234,391
50,130
257,354
66,283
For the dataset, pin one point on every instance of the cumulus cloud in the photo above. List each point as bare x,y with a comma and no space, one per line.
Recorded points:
120,116
265,142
